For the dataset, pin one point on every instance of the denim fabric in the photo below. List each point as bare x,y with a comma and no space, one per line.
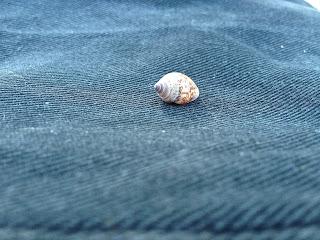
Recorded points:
90,152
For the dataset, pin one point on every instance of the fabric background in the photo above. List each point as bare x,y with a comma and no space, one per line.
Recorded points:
88,150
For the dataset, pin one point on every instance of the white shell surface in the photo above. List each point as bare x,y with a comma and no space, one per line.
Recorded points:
177,88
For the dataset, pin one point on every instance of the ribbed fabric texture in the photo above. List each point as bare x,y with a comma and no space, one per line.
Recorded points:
89,151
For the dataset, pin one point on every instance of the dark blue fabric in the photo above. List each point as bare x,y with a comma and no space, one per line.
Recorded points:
89,151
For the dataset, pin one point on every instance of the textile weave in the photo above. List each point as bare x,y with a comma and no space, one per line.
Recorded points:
89,151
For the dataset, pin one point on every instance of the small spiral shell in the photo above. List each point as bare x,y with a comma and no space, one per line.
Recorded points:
177,88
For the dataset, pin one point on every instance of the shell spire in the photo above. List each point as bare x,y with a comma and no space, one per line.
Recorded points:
177,88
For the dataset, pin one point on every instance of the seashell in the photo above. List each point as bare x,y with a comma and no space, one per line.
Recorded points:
177,88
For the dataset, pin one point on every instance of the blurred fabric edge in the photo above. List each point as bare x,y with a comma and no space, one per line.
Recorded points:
314,3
